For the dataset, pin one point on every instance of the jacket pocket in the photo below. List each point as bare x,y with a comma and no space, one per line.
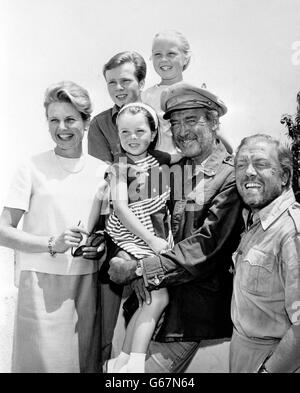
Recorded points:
257,272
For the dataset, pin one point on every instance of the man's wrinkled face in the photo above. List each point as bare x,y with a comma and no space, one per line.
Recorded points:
259,175
192,132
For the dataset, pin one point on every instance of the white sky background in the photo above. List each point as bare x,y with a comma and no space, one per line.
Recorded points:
241,49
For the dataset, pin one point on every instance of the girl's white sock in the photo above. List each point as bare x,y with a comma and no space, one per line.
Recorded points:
121,360
136,363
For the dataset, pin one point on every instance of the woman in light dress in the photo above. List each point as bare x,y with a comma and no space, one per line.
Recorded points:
57,323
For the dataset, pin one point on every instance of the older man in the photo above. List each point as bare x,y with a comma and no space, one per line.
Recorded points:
125,77
266,299
206,224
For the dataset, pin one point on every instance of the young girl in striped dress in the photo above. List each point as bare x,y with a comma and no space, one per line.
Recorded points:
140,221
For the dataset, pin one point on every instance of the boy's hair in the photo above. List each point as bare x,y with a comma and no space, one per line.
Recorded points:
185,46
128,57
67,91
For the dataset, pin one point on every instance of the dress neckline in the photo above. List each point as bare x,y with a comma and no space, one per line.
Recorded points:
70,165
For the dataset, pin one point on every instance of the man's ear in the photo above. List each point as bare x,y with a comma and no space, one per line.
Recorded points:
285,178
142,84
215,125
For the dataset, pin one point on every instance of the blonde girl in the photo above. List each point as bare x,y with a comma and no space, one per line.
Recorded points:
171,55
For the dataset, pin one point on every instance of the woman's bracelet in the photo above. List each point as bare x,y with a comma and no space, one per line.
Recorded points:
51,243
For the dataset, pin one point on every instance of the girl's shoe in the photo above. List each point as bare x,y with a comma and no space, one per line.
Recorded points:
108,366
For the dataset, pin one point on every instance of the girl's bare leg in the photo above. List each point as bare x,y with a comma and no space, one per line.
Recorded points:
145,322
115,364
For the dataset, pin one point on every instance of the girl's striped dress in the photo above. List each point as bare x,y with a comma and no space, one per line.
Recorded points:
148,192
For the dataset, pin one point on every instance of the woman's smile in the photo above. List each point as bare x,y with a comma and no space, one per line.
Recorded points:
66,127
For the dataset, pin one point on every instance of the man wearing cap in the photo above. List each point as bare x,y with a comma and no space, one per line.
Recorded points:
206,225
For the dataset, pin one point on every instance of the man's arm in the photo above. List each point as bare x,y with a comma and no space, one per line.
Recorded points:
195,255
97,143
286,357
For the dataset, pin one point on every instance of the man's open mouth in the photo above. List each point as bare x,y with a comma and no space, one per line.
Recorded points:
252,185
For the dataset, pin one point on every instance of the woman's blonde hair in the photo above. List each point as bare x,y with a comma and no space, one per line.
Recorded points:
67,91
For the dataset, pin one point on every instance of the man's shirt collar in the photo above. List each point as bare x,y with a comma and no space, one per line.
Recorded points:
270,213
114,113
212,163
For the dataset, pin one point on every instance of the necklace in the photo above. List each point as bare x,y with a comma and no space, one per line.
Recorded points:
71,165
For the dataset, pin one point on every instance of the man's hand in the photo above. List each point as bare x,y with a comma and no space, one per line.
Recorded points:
122,268
141,292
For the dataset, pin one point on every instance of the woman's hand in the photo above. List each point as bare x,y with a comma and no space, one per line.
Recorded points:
95,249
71,237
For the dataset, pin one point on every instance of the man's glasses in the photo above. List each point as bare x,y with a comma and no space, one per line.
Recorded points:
93,240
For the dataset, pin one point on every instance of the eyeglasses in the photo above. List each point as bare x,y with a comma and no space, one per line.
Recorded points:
93,240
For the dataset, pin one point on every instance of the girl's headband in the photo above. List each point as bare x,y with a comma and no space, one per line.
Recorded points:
148,108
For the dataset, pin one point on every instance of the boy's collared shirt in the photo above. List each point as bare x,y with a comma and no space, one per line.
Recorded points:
103,138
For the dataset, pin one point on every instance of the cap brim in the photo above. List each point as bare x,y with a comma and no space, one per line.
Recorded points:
167,114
